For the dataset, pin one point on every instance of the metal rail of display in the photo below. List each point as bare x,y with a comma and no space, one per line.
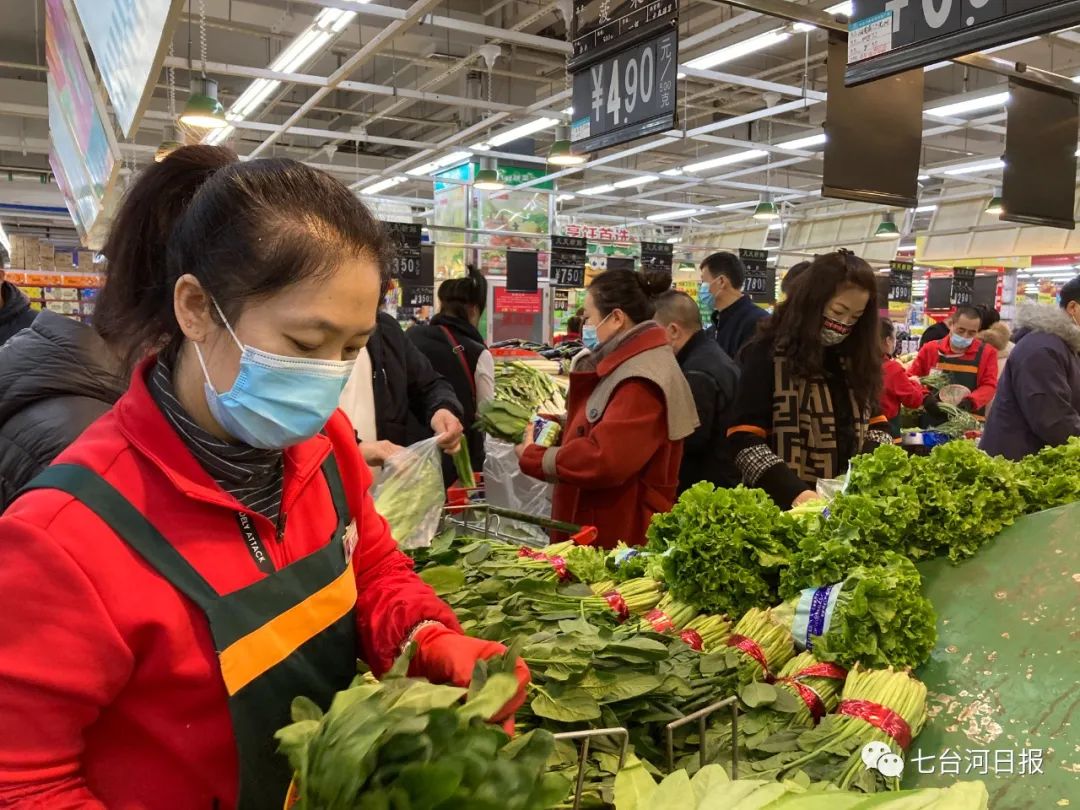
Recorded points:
701,717
586,737
486,520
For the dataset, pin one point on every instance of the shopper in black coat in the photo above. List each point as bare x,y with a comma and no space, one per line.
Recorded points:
56,378
15,312
457,351
401,382
713,379
735,317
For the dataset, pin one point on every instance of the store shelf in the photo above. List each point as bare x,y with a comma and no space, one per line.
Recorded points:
1005,673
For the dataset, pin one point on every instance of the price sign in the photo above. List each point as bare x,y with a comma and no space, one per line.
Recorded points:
597,29
900,276
890,36
760,282
627,95
405,264
657,256
963,287
568,261
416,297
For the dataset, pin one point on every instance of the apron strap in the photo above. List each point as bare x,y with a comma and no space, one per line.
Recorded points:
337,490
102,498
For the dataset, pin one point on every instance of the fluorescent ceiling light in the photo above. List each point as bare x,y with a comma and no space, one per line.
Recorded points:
604,189
568,111
922,209
725,160
680,214
564,197
803,143
776,226
803,28
1019,42
841,8
680,75
981,166
636,181
674,240
968,105
739,49
509,135
904,248
440,163
1050,268
255,94
672,172
383,185
218,136
924,177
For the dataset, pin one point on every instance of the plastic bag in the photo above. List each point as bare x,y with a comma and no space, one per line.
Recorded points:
507,486
409,493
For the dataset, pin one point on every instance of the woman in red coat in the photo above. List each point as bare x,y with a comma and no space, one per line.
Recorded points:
208,549
628,410
897,386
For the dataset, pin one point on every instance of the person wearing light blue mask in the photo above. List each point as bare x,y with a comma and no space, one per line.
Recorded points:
221,498
971,365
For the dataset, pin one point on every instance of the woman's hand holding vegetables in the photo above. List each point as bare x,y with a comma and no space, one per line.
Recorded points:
525,442
448,430
376,454
446,656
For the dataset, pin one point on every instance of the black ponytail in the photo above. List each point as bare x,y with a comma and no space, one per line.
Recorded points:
632,292
244,230
457,295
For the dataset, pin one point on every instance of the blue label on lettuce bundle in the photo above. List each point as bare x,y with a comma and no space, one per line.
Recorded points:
623,556
813,614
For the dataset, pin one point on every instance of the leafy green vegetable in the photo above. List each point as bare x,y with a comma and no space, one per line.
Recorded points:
720,553
463,466
1051,477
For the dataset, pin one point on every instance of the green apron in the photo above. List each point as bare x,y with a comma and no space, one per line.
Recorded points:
291,633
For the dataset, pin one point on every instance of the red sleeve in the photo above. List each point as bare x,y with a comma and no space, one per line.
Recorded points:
391,599
62,660
904,388
925,360
632,429
988,377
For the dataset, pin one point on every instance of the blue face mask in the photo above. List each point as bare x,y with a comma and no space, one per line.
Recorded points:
705,296
961,342
276,401
589,336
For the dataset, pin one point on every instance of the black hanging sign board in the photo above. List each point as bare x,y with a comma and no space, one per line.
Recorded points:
962,293
568,256
620,263
598,30
522,270
760,283
405,263
657,256
900,277
417,296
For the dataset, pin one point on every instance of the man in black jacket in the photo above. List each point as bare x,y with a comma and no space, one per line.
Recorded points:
713,378
15,312
56,379
735,317
390,379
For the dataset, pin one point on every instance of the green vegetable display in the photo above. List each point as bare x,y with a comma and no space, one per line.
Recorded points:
1051,477
407,744
526,386
720,551
503,420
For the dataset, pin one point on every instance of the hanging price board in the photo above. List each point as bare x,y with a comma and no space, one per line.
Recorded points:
568,257
417,296
657,256
900,277
963,287
597,29
626,95
405,264
760,282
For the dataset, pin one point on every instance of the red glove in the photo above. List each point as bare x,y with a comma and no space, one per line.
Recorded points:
446,656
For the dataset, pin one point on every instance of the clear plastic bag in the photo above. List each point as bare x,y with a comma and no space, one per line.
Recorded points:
507,486
409,493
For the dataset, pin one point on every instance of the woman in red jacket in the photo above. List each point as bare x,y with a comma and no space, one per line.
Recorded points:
628,410
208,549
897,386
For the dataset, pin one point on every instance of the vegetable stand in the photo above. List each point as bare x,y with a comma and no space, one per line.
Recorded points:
1004,675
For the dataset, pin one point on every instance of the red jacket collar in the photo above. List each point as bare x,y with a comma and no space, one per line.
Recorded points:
650,337
146,428
945,348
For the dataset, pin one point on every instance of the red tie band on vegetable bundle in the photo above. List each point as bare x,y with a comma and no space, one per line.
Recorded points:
810,697
753,649
880,717
693,639
556,562
660,621
618,604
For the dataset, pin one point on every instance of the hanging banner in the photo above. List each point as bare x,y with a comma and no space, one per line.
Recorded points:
627,95
891,36
568,258
598,233
405,263
962,292
760,282
657,256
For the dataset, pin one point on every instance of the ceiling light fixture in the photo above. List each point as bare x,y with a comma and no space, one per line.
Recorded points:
968,105
922,209
562,151
766,211
887,229
636,181
564,197
803,143
203,110
679,214
383,185
845,8
996,207
739,49
972,168
725,160
487,178
507,136
440,163
602,189
168,145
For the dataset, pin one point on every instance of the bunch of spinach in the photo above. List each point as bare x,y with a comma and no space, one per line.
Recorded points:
719,549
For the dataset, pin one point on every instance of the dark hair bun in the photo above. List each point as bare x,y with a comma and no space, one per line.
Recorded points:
654,282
